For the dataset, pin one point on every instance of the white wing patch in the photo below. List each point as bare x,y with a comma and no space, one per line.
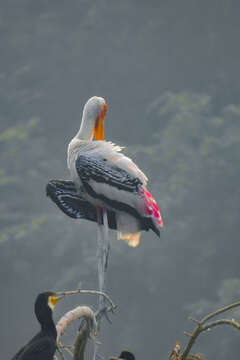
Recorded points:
134,200
112,154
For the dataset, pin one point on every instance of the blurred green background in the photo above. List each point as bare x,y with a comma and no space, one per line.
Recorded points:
169,71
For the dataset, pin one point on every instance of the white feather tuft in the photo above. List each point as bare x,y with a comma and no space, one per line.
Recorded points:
128,229
103,150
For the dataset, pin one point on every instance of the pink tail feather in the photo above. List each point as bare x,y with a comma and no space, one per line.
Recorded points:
151,207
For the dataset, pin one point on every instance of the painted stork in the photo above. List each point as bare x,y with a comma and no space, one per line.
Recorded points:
106,187
104,178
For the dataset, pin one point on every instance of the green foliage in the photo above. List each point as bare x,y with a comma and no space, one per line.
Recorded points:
12,141
5,179
228,293
20,132
19,231
189,140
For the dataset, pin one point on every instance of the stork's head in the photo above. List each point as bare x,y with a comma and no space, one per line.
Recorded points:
94,113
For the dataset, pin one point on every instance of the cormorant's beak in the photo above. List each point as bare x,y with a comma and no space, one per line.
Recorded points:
56,299
99,126
53,300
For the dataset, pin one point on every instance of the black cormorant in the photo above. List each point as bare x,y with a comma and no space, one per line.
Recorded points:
43,345
127,355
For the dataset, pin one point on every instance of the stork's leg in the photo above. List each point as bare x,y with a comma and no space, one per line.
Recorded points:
106,236
103,251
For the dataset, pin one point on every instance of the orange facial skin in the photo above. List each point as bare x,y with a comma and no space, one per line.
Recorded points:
99,126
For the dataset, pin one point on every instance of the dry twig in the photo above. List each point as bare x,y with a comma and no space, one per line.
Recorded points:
204,325
94,292
92,323
175,353
77,313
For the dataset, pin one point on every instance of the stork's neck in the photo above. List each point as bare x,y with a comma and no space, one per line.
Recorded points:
87,126
84,135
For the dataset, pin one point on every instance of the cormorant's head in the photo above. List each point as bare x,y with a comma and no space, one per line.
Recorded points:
45,304
127,355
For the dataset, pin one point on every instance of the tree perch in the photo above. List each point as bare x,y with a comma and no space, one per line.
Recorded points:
204,325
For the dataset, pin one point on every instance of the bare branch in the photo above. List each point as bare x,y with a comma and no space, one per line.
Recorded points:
187,333
80,343
83,335
203,325
77,313
194,320
68,349
94,292
60,353
192,340
175,353
232,322
220,311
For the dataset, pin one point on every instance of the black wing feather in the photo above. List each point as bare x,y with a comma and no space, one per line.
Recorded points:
64,194
42,348
89,167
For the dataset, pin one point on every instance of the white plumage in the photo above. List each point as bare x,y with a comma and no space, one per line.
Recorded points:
103,151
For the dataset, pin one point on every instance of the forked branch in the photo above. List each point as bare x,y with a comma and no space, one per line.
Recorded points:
90,325
94,292
204,325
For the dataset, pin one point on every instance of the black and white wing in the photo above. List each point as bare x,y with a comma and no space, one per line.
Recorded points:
112,185
65,195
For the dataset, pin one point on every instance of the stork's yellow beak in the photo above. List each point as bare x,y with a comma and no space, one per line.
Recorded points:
99,126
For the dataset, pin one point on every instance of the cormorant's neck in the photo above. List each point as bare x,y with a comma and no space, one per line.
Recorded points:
49,327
